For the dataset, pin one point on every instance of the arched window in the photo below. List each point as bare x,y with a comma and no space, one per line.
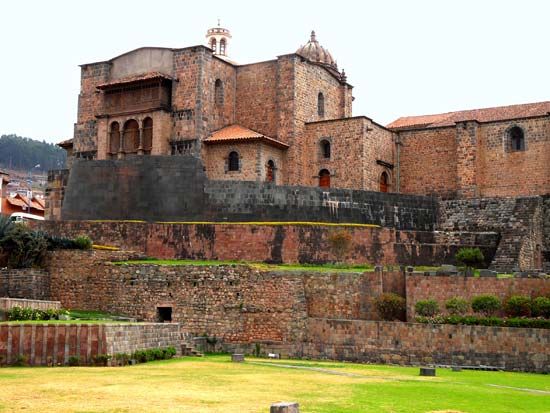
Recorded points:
325,149
131,136
517,139
222,47
147,137
321,104
270,172
233,161
114,138
384,182
213,45
324,178
218,92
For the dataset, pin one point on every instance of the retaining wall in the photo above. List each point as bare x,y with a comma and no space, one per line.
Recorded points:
441,288
27,283
54,344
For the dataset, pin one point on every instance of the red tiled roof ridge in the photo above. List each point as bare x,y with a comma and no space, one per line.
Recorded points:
237,132
481,115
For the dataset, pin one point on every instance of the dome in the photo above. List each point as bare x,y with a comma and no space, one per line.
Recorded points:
313,51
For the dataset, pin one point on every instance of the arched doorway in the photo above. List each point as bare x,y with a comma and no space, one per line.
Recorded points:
384,182
324,178
131,136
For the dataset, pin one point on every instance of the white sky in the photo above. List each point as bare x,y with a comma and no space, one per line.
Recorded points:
403,57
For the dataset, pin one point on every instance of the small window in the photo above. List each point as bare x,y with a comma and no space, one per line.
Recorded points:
218,92
324,178
222,47
213,45
384,182
164,314
321,104
270,172
325,149
233,161
517,139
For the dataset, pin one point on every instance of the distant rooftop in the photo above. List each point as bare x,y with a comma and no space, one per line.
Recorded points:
480,115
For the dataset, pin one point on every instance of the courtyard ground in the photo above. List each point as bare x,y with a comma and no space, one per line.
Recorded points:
214,384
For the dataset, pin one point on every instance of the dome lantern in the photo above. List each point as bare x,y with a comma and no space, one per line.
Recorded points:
217,38
316,53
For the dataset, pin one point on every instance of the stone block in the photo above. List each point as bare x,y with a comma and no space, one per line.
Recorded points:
427,371
285,407
487,273
237,358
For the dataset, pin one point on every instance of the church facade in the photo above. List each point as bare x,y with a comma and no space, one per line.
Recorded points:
289,121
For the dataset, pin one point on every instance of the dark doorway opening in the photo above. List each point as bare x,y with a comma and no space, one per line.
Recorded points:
164,314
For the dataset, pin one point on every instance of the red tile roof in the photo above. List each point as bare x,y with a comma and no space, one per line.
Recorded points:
237,133
481,115
134,79
22,201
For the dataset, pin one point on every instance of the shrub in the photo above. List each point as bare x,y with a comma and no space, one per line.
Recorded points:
24,314
21,361
541,307
74,361
340,243
23,247
518,306
390,307
470,257
486,321
83,242
457,306
486,304
102,359
427,308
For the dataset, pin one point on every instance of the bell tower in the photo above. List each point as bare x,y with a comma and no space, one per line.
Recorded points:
217,38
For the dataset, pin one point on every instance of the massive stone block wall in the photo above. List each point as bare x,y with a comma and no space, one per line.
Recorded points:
175,188
421,344
441,288
54,344
519,221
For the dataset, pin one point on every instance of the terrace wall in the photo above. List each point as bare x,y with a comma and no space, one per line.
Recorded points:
27,283
441,288
275,243
53,344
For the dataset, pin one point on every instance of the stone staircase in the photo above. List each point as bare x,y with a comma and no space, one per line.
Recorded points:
187,348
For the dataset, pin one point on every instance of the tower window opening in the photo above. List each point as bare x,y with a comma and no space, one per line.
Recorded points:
213,45
233,161
325,149
321,104
218,92
222,47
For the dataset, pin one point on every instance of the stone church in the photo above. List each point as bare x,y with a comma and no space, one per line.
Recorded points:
289,121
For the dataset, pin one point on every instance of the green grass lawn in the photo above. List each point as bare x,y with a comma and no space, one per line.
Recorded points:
214,384
278,267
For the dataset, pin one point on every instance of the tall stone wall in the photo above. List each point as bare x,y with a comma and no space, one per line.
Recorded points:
175,188
275,243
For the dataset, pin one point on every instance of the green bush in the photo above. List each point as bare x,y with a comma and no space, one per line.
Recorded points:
391,307
102,359
25,314
83,242
486,321
74,361
427,308
143,356
541,307
457,306
518,306
21,361
487,304
470,257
